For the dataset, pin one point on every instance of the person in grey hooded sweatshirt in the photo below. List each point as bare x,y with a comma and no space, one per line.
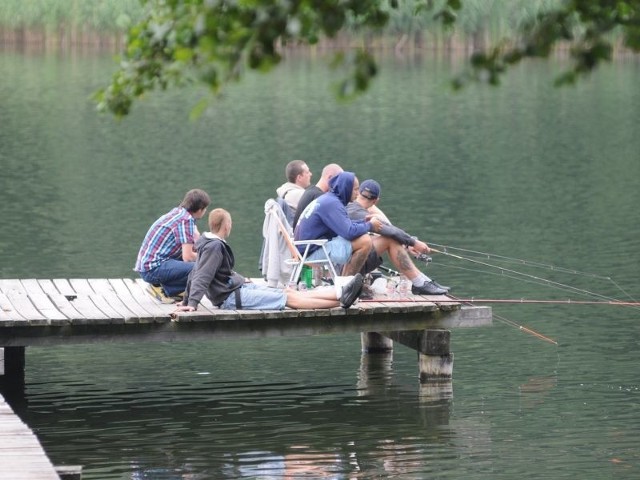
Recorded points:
213,276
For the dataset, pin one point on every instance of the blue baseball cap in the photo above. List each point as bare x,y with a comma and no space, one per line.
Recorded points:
370,189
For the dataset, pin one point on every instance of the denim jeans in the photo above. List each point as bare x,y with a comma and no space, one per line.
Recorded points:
256,297
338,248
171,274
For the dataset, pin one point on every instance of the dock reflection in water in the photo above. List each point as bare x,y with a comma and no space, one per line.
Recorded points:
381,423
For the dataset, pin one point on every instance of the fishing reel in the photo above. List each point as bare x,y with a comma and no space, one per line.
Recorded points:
423,257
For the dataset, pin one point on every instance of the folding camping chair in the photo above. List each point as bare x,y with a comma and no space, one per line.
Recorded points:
298,260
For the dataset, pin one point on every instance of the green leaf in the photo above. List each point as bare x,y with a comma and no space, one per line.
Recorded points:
183,54
199,108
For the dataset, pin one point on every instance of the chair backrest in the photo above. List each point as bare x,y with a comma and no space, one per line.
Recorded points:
297,259
287,210
295,254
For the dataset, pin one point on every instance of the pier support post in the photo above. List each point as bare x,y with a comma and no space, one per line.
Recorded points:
434,356
373,342
435,359
13,363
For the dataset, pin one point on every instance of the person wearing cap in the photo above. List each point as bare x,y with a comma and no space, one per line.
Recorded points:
392,240
326,218
314,191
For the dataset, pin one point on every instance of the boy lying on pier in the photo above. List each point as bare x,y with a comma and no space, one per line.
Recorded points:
213,276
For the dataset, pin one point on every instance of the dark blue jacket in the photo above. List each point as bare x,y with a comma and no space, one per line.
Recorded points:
326,217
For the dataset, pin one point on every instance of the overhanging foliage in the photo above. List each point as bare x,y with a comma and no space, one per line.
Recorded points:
214,41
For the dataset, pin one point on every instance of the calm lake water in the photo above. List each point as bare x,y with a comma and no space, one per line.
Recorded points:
522,172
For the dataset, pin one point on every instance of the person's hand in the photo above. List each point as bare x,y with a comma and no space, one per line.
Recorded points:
421,247
376,224
182,308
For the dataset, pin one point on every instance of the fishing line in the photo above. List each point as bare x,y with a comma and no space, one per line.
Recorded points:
511,323
505,320
521,261
533,264
542,281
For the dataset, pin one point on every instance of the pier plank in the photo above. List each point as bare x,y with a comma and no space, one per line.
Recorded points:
61,302
81,286
90,312
106,308
103,286
8,313
152,305
91,301
80,300
41,301
20,300
11,285
64,287
21,454
132,304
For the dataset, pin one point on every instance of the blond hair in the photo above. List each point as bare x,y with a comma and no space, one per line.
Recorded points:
217,217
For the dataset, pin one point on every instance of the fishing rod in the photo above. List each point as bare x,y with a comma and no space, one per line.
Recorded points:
507,321
422,257
531,278
514,301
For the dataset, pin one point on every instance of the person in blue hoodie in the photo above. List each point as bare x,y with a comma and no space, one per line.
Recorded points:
326,218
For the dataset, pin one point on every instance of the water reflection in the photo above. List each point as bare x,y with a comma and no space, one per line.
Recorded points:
525,170
218,428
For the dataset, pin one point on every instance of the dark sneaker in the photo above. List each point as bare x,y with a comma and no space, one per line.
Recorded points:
351,291
440,286
428,288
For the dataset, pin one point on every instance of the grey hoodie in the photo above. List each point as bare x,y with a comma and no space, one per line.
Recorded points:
213,273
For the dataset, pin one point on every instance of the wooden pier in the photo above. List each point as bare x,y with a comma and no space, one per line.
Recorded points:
21,454
44,312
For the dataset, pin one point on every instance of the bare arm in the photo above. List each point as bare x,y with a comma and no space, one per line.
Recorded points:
374,210
188,253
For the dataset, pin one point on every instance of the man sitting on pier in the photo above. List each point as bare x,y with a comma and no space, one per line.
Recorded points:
213,276
326,218
298,179
166,256
392,240
314,191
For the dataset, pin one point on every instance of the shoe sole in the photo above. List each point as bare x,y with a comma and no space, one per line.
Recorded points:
350,300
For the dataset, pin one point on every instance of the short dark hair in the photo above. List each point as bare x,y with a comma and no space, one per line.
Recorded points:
294,168
195,200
